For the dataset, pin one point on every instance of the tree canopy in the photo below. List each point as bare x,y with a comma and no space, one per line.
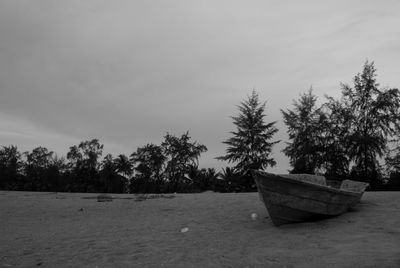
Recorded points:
181,154
373,119
250,145
305,127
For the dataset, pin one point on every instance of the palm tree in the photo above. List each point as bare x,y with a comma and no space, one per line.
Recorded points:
123,165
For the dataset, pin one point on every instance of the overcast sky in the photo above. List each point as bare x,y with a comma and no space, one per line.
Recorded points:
127,72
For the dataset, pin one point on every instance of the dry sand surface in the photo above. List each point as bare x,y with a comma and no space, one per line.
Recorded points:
74,230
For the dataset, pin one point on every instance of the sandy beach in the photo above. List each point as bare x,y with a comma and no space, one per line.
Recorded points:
74,230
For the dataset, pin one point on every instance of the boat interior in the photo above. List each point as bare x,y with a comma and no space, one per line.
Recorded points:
346,185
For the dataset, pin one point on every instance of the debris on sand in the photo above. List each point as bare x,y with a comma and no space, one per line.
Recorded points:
138,197
184,230
144,197
104,198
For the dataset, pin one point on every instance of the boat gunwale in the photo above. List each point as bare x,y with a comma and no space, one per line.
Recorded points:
306,198
315,185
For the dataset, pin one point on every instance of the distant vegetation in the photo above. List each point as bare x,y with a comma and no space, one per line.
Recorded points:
356,136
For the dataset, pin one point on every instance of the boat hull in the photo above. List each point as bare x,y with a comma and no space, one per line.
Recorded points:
288,200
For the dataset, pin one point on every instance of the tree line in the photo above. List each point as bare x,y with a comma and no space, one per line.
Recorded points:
355,136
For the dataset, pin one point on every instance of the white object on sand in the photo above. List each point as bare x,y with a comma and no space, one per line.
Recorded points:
253,216
184,230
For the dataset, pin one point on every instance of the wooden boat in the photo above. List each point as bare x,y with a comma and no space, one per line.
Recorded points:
293,198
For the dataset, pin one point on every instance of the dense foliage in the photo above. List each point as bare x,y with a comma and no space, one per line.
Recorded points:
348,137
169,167
250,145
374,119
304,124
356,136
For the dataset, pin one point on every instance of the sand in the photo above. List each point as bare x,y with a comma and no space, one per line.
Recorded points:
74,230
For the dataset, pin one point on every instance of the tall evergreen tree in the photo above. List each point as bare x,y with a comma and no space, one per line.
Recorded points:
335,127
250,145
374,118
305,129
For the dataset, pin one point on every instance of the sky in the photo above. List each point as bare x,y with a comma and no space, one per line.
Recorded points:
127,72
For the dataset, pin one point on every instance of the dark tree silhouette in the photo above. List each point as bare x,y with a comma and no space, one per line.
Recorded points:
148,162
334,151
374,117
10,168
56,174
83,160
234,180
305,129
202,179
392,160
111,179
250,146
123,165
37,168
180,154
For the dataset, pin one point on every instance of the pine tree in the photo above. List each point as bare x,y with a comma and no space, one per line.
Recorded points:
375,118
250,146
305,127
334,151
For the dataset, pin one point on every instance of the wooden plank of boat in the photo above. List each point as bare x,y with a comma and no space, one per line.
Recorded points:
301,197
